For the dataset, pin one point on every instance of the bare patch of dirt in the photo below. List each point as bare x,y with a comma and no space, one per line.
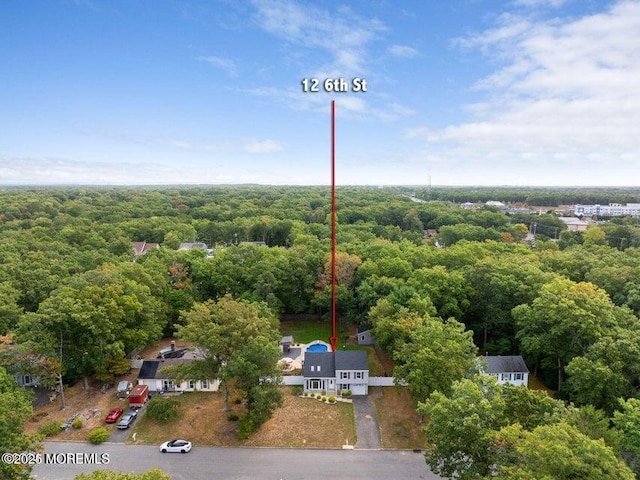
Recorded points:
90,405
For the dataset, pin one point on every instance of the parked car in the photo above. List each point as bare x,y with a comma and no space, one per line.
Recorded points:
113,415
176,446
127,419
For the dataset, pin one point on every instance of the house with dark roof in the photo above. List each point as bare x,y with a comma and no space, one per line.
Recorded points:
507,369
151,375
330,373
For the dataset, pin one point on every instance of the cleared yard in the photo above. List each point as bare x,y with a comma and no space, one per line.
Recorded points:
306,331
300,422
400,424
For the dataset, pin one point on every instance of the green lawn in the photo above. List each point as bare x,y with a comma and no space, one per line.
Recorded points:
376,369
306,331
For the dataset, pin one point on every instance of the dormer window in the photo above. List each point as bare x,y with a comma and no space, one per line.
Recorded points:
313,369
318,367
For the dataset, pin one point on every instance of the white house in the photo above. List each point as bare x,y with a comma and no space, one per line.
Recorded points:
152,376
333,372
613,209
507,369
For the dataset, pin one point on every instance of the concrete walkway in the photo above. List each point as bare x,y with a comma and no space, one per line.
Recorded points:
367,427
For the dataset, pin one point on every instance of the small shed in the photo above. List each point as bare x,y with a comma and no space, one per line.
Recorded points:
286,343
365,337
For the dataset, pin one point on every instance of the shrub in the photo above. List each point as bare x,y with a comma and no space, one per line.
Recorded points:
77,423
332,399
50,429
163,409
345,393
322,398
246,427
98,435
232,417
237,401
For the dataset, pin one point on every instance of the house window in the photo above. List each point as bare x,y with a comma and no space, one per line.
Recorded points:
344,375
168,384
205,384
505,377
318,367
192,385
518,376
358,375
313,369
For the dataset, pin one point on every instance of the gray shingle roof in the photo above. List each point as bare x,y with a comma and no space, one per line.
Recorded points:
505,364
351,360
324,360
329,362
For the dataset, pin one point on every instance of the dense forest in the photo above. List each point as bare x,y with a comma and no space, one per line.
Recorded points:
74,299
533,196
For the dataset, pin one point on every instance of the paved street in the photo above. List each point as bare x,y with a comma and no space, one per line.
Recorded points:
209,463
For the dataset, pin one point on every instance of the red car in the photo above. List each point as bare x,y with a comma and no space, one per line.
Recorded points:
113,415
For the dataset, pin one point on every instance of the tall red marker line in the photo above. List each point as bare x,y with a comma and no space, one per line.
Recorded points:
334,333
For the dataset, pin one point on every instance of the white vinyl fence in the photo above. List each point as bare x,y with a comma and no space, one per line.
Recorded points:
293,380
373,381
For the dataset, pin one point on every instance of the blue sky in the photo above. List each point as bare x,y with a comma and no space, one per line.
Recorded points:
470,92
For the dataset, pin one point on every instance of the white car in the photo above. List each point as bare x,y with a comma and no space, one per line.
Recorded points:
179,446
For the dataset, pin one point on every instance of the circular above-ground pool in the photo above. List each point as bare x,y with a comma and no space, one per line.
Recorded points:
317,347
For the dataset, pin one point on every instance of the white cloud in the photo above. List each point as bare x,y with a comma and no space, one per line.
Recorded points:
344,36
563,90
264,146
225,64
402,51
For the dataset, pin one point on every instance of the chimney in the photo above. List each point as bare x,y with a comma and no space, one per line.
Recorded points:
173,345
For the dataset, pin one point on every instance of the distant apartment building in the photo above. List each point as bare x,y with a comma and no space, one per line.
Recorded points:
611,210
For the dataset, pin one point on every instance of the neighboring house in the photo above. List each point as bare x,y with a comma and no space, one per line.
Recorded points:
507,369
333,372
140,248
257,244
196,245
365,337
151,375
574,224
429,233
192,245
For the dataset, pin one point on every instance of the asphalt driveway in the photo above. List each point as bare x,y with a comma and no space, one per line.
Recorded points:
367,426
